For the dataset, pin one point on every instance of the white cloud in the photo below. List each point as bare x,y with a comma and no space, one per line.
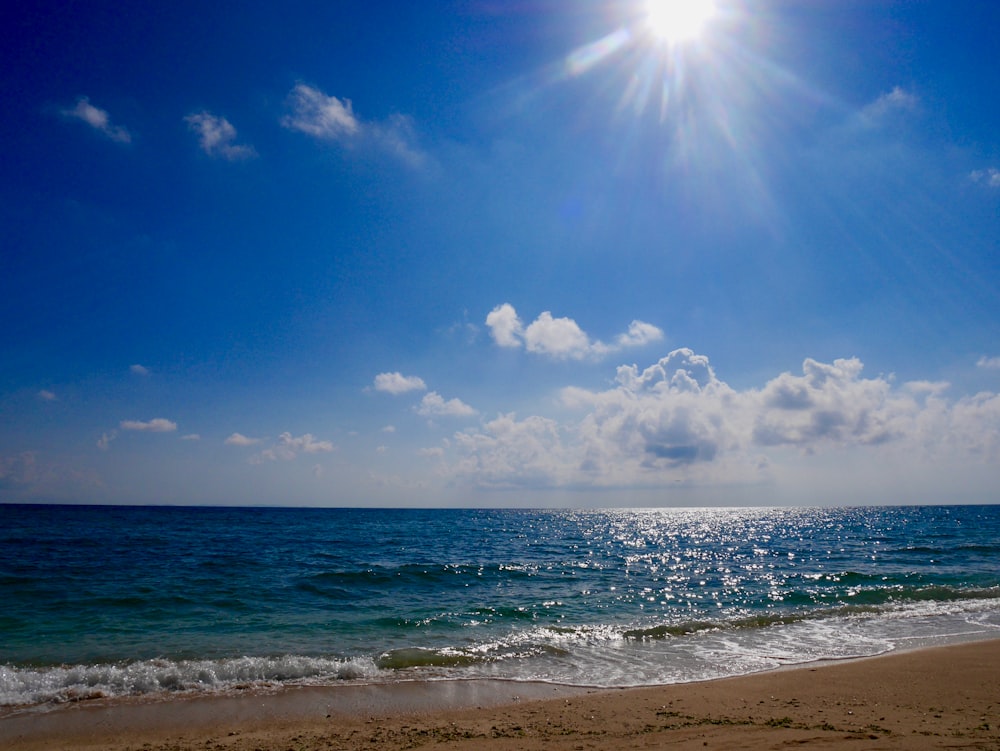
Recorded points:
97,119
434,405
677,421
191,437
990,363
989,177
389,429
305,443
139,369
156,425
289,446
827,403
509,453
397,383
562,338
319,115
926,387
104,442
504,325
331,119
217,137
397,136
238,439
897,100
639,334
47,396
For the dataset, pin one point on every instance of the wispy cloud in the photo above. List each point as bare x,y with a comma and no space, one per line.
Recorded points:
97,119
990,363
397,383
47,396
137,369
26,475
896,101
330,118
562,338
217,137
104,442
434,405
191,437
238,439
320,115
156,425
289,446
989,177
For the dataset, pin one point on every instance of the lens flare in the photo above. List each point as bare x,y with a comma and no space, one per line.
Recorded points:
677,21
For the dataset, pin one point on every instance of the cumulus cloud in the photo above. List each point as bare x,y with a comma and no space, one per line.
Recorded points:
829,402
217,137
989,177
238,439
156,425
97,119
47,396
289,446
434,405
506,452
561,338
329,118
676,420
397,383
504,325
990,363
639,334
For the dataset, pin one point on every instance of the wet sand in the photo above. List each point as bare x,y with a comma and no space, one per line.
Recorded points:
944,697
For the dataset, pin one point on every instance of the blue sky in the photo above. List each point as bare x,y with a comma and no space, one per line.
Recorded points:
494,253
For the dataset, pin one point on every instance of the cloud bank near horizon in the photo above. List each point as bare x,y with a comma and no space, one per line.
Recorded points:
677,421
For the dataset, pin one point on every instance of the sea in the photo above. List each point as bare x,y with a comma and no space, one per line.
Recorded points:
109,602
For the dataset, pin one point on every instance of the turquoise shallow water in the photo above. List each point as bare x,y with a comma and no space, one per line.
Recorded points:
116,601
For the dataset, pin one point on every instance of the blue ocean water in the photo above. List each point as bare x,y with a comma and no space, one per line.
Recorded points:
123,601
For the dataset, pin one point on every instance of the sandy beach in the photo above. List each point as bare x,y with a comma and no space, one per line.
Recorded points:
944,697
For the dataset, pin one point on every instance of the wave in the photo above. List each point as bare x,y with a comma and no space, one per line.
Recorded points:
605,654
20,686
421,657
888,602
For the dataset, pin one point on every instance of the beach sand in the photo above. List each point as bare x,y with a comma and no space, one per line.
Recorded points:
944,697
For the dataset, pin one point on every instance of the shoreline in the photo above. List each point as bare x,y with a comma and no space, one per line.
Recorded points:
930,697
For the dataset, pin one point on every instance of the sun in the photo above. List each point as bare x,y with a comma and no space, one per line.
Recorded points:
678,21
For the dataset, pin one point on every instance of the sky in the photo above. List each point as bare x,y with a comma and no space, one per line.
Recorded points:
500,252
